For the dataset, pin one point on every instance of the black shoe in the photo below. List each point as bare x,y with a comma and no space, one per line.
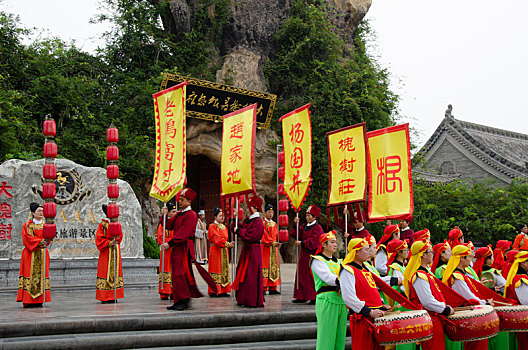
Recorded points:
165,298
175,306
224,295
274,292
108,302
312,302
298,301
214,295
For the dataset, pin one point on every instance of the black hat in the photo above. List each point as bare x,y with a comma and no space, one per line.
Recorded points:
216,211
171,206
268,207
104,209
34,206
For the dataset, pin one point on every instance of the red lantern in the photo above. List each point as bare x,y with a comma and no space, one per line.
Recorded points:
114,229
50,150
112,171
240,214
49,190
49,231
112,211
280,190
281,157
112,135
283,220
50,128
281,173
112,153
50,210
284,205
284,235
112,190
49,171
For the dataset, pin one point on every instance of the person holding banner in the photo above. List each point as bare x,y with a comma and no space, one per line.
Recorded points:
108,250
406,232
249,283
30,289
270,252
389,233
219,255
422,288
360,295
330,309
359,228
165,266
304,287
183,226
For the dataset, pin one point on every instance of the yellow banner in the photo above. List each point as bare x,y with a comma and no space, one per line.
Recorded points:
347,164
297,141
238,152
169,172
390,178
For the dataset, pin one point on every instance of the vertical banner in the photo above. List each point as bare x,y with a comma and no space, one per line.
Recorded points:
389,169
297,142
238,152
169,171
347,165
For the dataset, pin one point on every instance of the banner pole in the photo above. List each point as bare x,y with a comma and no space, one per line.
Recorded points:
297,252
163,251
346,230
44,276
236,245
277,207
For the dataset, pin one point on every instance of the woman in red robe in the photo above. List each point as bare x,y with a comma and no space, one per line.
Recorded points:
248,282
270,252
219,255
108,251
165,292
30,288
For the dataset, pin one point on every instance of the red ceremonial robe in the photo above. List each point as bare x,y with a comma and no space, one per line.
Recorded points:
270,261
104,289
219,258
407,235
183,225
165,264
248,283
309,237
30,278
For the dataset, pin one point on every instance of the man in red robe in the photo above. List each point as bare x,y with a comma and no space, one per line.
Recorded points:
183,226
270,252
304,287
31,285
248,284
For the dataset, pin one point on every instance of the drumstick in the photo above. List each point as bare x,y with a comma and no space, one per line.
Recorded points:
464,308
501,303
392,312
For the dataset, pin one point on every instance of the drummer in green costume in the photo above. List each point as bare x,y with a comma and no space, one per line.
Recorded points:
330,309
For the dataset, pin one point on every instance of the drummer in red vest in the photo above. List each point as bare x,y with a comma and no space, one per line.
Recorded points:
304,290
183,225
406,232
421,289
456,278
360,294
517,288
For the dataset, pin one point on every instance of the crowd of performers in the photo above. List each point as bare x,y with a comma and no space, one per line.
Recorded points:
401,274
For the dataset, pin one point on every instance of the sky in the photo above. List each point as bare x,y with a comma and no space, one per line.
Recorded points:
468,53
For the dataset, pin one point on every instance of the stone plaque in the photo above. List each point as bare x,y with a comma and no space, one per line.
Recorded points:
81,191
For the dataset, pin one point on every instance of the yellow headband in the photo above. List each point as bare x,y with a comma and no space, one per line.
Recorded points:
456,253
354,245
417,249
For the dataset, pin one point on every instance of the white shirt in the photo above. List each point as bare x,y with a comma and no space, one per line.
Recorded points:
428,301
381,262
311,223
38,222
347,282
398,274
522,293
321,269
462,288
254,215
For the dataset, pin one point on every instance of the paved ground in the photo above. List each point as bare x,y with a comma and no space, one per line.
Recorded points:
138,302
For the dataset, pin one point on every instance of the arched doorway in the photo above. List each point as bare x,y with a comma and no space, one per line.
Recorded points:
203,176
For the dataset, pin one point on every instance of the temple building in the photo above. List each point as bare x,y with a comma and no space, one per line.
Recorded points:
463,150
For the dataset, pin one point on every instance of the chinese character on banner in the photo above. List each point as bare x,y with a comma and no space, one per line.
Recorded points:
238,152
347,164
170,167
297,142
390,179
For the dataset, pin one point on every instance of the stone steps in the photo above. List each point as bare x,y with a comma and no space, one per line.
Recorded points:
298,344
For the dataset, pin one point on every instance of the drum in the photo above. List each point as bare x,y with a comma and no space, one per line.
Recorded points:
403,327
513,318
479,323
